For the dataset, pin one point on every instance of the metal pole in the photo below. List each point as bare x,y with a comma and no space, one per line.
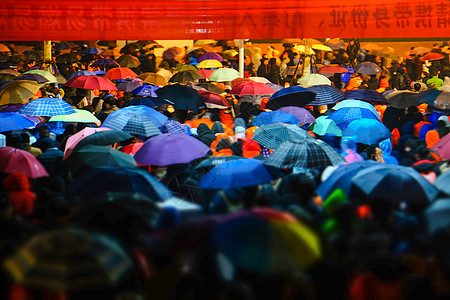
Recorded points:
48,56
240,43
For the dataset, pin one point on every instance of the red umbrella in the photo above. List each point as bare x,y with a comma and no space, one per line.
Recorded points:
91,83
252,88
442,147
131,148
214,100
331,69
238,81
120,73
432,56
206,73
17,160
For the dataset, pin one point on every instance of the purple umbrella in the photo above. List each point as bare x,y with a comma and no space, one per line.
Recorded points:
210,55
300,113
128,86
146,90
33,77
105,63
169,149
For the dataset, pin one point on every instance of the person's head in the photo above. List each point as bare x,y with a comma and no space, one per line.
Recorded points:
273,61
434,71
44,132
412,109
110,101
374,153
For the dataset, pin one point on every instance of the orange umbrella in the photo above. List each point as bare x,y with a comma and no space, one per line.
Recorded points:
120,73
153,78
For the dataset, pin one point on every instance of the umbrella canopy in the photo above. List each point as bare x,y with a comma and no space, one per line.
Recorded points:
48,107
8,77
181,97
181,67
367,68
206,73
335,44
32,77
428,96
18,91
131,148
50,77
432,56
69,58
170,148
273,135
214,100
16,160
128,61
238,81
80,116
104,63
84,72
325,94
188,75
102,180
146,90
269,117
224,74
207,164
313,79
171,53
211,87
210,56
355,103
304,153
51,260
420,50
91,83
442,101
174,126
91,156
395,184
238,173
147,101
266,241
120,73
367,131
260,79
92,50
302,114
252,88
73,140
345,115
14,121
332,69
275,87
441,183
442,147
132,122
324,125
366,95
209,63
153,78
128,86
402,99
102,138
291,96
437,215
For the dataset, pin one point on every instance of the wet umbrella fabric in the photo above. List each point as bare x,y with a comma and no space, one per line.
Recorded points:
403,99
270,117
181,97
366,95
128,86
314,79
73,140
324,125
80,73
252,88
18,91
346,115
146,90
291,96
155,116
132,123
442,147
147,101
325,94
91,83
14,121
210,55
120,73
105,63
273,135
103,138
224,74
441,183
153,78
367,68
17,160
355,103
367,131
48,107
428,96
184,76
302,114
32,77
437,215
209,163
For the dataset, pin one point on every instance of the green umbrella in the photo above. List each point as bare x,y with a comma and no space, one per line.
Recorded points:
324,125
51,78
81,116
224,74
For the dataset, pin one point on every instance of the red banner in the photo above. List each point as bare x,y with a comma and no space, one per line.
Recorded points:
210,19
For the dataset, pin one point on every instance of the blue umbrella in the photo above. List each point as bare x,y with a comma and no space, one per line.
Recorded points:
85,72
236,174
92,50
147,101
355,103
48,107
146,90
132,123
14,121
346,115
100,73
395,184
366,95
291,96
270,117
128,86
441,183
155,116
105,63
437,215
367,131
428,96
325,94
181,97
101,180
273,135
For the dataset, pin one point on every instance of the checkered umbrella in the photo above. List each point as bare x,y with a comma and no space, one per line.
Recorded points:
14,121
269,117
304,153
173,126
132,123
273,135
325,94
345,115
48,107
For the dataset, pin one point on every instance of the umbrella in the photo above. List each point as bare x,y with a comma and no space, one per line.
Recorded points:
345,115
428,96
273,135
146,90
260,79
184,76
402,99
432,56
91,156
80,116
174,126
367,68
102,138
181,97
32,77
10,71
91,83
269,117
335,44
92,50
48,107
128,86
16,160
442,101
302,114
4,48
206,165
209,56
252,88
437,215
325,94
237,173
420,50
131,148
18,91
324,125
209,63
366,95
394,184
14,121
102,180
120,73
367,131
321,47
128,61
332,69
214,100
8,77
355,103
211,87
112,52
238,81
73,140
104,63
266,241
206,73
170,148
180,68
153,78
304,153
291,96
224,74
132,123
442,147
274,86
69,259
441,183
341,178
313,79
84,72
171,53
50,77
147,101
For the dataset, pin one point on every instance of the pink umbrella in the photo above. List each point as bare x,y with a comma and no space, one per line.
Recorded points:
17,160
442,147
91,83
206,73
252,88
74,139
300,113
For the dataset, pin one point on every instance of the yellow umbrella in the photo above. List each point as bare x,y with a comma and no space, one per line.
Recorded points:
321,47
18,91
4,48
49,76
80,116
204,42
209,63
153,78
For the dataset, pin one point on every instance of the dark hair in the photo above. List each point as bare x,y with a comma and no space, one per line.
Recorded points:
272,61
434,71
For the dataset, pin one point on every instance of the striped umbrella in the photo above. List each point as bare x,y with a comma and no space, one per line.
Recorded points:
47,107
325,94
273,135
132,123
14,121
345,115
33,77
370,96
105,63
51,78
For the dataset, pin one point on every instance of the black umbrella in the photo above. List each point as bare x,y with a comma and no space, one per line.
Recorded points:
291,96
181,97
211,87
103,138
68,58
403,99
188,75
370,96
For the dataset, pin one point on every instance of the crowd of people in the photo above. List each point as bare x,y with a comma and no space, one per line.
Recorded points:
280,239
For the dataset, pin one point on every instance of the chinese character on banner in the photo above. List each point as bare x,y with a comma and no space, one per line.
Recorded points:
101,17
78,22
402,12
359,16
24,19
423,15
271,21
442,14
381,16
49,19
338,14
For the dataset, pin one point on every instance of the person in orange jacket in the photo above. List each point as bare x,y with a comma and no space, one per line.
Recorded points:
354,82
